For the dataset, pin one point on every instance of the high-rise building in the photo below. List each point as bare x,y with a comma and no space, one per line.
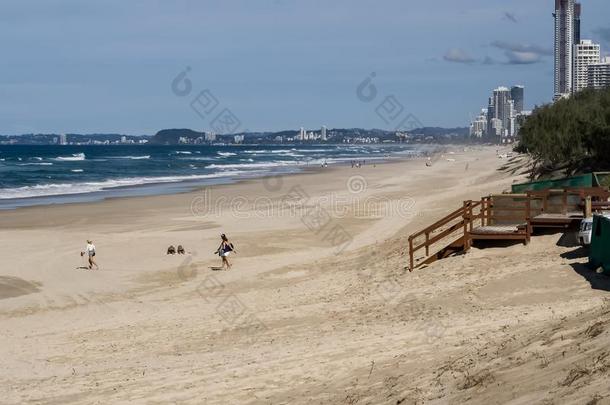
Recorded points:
504,108
501,117
565,19
323,133
585,53
496,127
598,74
490,115
577,12
302,134
63,139
517,93
478,127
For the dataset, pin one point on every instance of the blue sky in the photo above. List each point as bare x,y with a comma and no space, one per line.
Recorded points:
107,66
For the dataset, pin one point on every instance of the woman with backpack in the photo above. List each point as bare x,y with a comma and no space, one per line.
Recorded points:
224,250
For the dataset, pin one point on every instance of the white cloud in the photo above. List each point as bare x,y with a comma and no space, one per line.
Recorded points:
457,55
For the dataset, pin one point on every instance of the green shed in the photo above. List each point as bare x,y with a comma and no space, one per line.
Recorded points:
582,181
598,179
599,253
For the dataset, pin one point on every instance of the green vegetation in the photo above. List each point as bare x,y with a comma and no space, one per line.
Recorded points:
571,135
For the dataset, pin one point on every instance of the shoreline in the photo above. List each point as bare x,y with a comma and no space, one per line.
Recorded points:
186,185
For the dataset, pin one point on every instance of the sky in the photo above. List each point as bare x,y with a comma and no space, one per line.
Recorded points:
115,66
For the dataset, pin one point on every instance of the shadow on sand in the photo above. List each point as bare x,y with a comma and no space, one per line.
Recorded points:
579,253
569,239
598,281
486,244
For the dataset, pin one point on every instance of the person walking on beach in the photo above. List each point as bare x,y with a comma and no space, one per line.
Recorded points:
224,250
90,252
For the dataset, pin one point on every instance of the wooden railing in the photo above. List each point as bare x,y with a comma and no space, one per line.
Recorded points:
562,201
500,209
443,229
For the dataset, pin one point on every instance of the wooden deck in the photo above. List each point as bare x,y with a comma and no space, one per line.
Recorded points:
498,229
503,217
555,220
562,208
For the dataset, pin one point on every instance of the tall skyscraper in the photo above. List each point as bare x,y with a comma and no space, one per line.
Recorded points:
323,133
501,113
598,74
501,118
63,139
585,53
491,113
565,13
517,93
503,107
577,12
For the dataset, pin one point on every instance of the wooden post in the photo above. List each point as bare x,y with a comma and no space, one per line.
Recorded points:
588,207
564,208
488,205
411,254
545,202
470,216
465,221
528,214
427,244
487,211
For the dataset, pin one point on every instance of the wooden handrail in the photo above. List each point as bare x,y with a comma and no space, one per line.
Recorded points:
427,232
463,214
495,207
454,215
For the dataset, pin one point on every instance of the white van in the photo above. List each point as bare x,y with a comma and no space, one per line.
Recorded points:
586,228
584,234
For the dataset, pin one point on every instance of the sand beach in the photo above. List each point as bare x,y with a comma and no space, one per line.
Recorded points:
318,307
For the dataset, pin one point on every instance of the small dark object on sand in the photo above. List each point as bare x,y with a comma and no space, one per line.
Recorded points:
171,250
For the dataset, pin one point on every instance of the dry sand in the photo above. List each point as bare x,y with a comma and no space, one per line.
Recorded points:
302,317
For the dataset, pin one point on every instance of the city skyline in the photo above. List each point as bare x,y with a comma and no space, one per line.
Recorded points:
277,64
577,65
578,62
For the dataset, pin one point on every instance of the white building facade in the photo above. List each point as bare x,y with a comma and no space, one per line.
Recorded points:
585,53
598,74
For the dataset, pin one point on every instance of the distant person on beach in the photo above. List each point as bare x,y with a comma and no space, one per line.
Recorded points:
224,250
90,252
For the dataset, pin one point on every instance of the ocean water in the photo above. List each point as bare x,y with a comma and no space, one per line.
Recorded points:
33,175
